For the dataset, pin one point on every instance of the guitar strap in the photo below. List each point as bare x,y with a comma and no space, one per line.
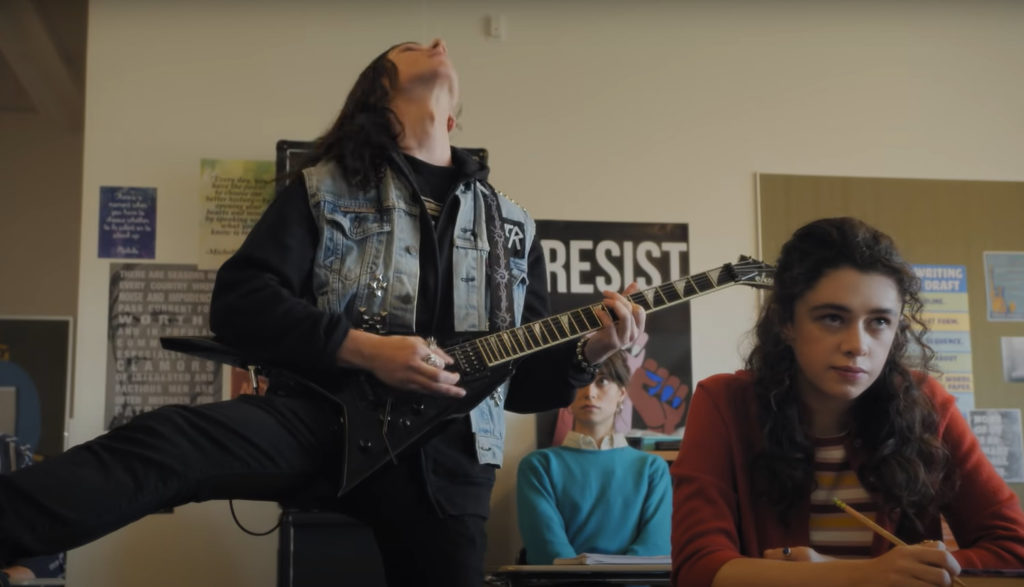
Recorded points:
501,315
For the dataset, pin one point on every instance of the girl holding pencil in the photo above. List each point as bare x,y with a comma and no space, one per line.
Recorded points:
835,403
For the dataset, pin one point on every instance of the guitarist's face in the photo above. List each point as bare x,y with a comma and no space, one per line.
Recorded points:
597,403
423,69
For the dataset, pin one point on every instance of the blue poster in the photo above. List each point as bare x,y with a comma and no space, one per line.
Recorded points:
127,223
1004,284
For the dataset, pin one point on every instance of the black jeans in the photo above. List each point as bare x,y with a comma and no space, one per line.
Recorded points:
417,545
272,448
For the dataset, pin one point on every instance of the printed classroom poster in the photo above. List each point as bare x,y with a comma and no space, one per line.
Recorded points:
1004,284
584,258
944,294
127,223
148,301
233,194
1013,359
999,433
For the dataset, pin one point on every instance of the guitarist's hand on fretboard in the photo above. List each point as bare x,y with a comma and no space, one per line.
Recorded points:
402,362
626,330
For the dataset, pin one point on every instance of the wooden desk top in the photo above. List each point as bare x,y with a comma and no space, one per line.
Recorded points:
521,575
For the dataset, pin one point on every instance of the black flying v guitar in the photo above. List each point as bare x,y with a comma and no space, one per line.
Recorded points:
381,421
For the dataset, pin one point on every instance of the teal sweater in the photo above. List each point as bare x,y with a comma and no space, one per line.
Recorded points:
572,501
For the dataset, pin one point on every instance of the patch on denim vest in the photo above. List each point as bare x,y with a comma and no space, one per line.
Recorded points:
515,237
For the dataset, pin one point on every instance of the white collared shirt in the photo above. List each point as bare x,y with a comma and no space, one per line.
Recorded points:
574,439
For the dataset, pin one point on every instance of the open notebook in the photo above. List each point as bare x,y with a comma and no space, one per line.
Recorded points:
588,558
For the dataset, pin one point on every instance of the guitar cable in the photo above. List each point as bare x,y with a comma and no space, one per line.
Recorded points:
231,506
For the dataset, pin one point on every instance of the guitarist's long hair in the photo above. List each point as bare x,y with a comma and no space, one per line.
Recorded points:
892,422
364,136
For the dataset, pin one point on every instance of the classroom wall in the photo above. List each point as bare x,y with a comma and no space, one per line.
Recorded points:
40,203
593,110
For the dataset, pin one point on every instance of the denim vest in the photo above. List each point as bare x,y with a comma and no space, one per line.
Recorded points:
367,262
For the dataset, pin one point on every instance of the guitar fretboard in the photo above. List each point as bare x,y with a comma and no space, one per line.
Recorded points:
479,354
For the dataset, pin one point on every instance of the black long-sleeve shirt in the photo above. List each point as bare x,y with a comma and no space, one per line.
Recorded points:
263,303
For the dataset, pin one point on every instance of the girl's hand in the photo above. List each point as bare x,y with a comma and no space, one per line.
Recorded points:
928,563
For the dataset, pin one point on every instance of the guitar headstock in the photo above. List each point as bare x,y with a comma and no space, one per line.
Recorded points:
753,272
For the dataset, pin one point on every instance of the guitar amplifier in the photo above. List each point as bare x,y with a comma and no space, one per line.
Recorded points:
326,548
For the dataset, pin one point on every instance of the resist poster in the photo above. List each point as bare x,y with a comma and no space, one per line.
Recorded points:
585,258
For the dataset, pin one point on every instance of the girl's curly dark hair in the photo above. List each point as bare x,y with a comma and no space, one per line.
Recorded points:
893,423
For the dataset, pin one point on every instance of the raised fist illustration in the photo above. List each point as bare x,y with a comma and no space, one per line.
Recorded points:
659,397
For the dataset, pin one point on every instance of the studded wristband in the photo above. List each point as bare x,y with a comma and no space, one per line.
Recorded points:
581,358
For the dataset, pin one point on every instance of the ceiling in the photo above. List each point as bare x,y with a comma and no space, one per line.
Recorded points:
42,59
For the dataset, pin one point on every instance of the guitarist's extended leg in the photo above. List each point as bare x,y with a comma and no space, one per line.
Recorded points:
252,447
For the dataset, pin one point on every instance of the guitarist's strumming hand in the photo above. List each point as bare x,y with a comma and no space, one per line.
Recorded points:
403,362
623,332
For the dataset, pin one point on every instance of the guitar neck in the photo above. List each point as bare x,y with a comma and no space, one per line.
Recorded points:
479,354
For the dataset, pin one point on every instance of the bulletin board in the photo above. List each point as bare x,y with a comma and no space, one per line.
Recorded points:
942,222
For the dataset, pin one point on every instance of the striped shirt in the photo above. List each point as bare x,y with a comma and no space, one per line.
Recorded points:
834,532
433,207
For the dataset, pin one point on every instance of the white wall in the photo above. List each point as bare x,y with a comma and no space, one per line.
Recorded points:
598,110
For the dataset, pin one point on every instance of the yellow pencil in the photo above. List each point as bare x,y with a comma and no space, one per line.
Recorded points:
882,531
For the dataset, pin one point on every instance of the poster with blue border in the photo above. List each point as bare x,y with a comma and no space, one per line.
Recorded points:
127,223
1004,285
947,315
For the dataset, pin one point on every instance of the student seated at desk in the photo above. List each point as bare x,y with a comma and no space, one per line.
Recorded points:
594,493
828,407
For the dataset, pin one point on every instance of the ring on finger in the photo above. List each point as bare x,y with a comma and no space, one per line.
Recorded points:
787,551
433,360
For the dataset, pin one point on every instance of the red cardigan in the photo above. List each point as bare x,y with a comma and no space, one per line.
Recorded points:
715,517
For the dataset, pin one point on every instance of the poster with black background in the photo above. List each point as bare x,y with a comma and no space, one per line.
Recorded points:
583,259
148,301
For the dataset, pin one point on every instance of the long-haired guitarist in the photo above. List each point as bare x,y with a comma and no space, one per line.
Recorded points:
389,236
